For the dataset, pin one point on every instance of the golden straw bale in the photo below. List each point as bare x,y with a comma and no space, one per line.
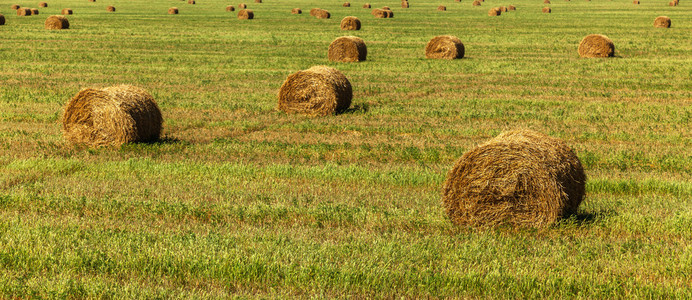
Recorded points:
242,6
495,11
547,10
34,11
673,3
323,14
350,23
635,2
441,8
313,12
546,2
347,49
404,4
476,3
346,4
110,8
444,47
24,11
173,11
318,91
258,1
15,6
596,45
112,116
511,7
246,14
379,13
230,8
503,8
296,11
386,8
366,5
520,178
662,22
190,1
42,4
66,11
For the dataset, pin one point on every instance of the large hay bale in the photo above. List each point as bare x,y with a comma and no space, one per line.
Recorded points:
635,2
366,5
441,8
313,12
173,11
242,6
379,13
347,49
296,11
404,4
662,22
110,8
246,14
547,10
34,11
42,4
495,11
546,2
346,4
112,116
350,23
596,45
23,12
476,3
520,178
511,7
66,11
56,22
318,91
2,19
323,14
15,6
230,8
444,47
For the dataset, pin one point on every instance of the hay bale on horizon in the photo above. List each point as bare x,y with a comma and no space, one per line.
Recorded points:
23,12
42,4
34,11
318,91
242,6
366,5
547,10
15,6
56,22
511,7
673,3
495,11
350,23
503,9
2,19
296,11
546,2
230,8
379,13
173,11
476,3
66,11
520,178
386,8
596,45
404,4
313,12
389,12
347,49
662,22
635,2
442,8
258,1
346,4
323,14
444,47
191,2
110,8
246,14
111,117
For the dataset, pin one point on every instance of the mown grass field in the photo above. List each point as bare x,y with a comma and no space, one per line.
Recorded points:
239,199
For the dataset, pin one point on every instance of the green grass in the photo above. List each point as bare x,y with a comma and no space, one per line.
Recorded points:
241,200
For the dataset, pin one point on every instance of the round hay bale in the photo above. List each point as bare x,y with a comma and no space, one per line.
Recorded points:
246,14
230,8
191,2
520,178
242,6
2,19
596,45
296,11
444,47
66,11
173,11
662,22
350,23
258,1
404,4
379,13
635,2
112,116
313,12
23,12
318,91
56,22
323,14
42,4
390,14
346,4
476,3
15,6
441,8
673,3
503,8
347,49
110,8
366,5
386,8
546,2
547,10
511,7
34,11
495,11
92,0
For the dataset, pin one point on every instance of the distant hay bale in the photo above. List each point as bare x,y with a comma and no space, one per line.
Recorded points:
346,4
520,178
56,22
366,5
379,13
347,49
390,14
190,1
112,116
662,22
547,10
444,47
503,8
313,12
404,4
442,8
23,12
635,2
246,14
596,45
296,11
673,3
495,11
350,23
66,11
230,8
511,7
258,1
546,2
110,8
34,11
318,91
2,19
386,8
42,4
242,6
173,11
476,3
92,0
15,6
323,14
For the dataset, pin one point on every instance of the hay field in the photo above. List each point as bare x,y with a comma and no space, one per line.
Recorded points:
239,199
